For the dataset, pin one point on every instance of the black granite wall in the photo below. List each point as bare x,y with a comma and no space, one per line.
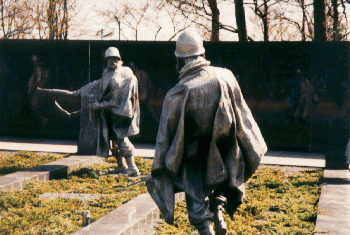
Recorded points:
297,91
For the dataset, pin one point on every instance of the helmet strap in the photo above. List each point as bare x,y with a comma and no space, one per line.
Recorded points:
180,62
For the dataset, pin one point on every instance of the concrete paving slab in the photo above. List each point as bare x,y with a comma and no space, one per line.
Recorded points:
134,217
287,158
60,146
334,204
38,145
54,170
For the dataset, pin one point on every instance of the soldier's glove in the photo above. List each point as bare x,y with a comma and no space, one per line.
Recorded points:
75,113
157,173
95,105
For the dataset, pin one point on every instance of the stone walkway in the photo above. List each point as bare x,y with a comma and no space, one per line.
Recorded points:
334,204
54,170
334,217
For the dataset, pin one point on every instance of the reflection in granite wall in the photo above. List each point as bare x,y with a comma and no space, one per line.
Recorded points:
297,91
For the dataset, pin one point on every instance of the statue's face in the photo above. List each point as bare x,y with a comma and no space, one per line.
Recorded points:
112,62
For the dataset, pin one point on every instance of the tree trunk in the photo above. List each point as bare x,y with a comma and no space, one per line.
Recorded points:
266,22
303,33
65,19
335,32
51,19
215,20
3,19
320,20
240,21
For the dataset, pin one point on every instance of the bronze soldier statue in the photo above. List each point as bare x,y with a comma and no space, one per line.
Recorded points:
208,143
109,112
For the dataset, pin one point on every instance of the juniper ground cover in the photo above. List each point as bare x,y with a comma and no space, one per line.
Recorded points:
278,201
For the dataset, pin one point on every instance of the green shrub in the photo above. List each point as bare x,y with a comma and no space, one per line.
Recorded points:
275,203
25,212
10,163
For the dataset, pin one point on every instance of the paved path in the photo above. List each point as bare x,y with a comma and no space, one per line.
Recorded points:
59,146
334,204
147,150
58,169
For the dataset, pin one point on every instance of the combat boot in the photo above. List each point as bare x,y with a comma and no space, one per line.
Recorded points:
132,170
219,222
206,228
122,167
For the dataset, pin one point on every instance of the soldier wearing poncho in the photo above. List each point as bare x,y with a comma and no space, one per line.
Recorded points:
109,111
208,143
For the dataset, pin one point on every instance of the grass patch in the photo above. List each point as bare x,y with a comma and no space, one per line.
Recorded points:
276,203
22,160
24,212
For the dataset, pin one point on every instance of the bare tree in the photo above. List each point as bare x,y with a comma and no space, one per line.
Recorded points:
263,10
335,16
306,26
196,13
202,13
206,11
337,24
57,19
15,19
53,19
134,17
301,17
215,20
240,21
302,22
179,22
39,19
320,20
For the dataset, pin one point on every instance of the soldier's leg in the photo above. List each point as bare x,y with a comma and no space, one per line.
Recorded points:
200,215
217,204
126,149
121,168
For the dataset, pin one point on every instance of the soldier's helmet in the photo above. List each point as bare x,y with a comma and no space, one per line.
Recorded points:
112,52
189,44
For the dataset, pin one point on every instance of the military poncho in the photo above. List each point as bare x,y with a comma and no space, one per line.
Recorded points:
119,113
207,138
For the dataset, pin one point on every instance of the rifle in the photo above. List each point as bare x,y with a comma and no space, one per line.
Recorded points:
67,95
144,179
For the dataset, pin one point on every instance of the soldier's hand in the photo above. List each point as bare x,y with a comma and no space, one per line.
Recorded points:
75,113
95,105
